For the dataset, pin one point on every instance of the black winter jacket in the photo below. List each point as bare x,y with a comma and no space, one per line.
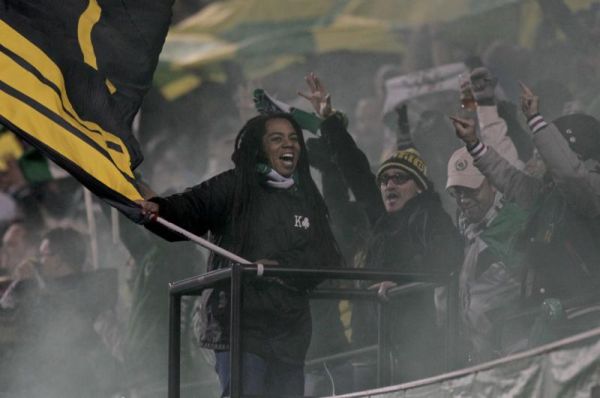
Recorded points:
418,238
276,318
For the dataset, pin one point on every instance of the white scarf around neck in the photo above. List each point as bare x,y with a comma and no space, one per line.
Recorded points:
276,180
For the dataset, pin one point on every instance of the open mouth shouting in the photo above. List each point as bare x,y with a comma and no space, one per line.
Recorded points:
397,188
288,160
285,164
391,198
281,146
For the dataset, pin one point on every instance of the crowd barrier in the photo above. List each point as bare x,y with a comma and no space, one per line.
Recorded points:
237,273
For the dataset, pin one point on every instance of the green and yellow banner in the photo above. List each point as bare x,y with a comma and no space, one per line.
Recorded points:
265,36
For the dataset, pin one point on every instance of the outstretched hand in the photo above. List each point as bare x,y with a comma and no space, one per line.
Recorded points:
319,98
465,129
529,101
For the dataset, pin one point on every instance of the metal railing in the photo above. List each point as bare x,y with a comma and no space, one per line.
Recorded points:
237,273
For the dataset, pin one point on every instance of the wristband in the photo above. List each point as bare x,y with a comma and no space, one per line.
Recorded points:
536,123
477,150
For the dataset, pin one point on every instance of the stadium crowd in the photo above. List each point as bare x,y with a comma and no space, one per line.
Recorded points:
495,180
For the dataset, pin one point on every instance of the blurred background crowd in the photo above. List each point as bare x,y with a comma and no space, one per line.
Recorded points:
84,294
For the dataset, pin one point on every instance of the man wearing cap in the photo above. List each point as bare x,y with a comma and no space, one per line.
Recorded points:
489,283
489,280
409,232
569,148
562,230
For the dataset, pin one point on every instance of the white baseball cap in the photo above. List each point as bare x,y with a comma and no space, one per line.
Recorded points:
462,172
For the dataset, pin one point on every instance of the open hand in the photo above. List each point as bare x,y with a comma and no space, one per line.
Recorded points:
465,129
529,101
319,98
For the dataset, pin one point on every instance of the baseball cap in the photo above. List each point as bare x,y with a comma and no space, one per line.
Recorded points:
462,172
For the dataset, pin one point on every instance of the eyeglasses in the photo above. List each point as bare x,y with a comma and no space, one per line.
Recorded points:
464,192
397,179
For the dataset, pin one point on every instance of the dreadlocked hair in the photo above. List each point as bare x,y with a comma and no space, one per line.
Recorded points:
248,152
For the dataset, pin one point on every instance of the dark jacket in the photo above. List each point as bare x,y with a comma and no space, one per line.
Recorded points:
561,249
418,238
275,314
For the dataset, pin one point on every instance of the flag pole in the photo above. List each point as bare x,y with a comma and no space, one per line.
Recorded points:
114,222
91,221
202,242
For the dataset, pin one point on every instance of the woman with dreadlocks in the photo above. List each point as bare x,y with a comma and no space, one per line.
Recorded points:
267,209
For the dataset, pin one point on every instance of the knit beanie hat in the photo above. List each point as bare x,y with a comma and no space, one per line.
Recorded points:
582,132
409,161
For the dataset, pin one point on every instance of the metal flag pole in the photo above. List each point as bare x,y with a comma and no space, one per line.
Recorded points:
202,242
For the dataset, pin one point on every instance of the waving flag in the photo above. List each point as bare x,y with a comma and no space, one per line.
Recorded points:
72,77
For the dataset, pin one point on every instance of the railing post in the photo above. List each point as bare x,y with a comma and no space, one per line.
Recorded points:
235,343
196,284
452,324
383,350
174,344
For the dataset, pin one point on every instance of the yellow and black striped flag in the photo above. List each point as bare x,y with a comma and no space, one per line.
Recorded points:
73,74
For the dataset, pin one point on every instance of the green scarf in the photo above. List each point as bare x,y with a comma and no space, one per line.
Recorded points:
503,233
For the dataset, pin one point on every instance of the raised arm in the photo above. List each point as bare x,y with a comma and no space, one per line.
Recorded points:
579,185
514,184
493,129
351,161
